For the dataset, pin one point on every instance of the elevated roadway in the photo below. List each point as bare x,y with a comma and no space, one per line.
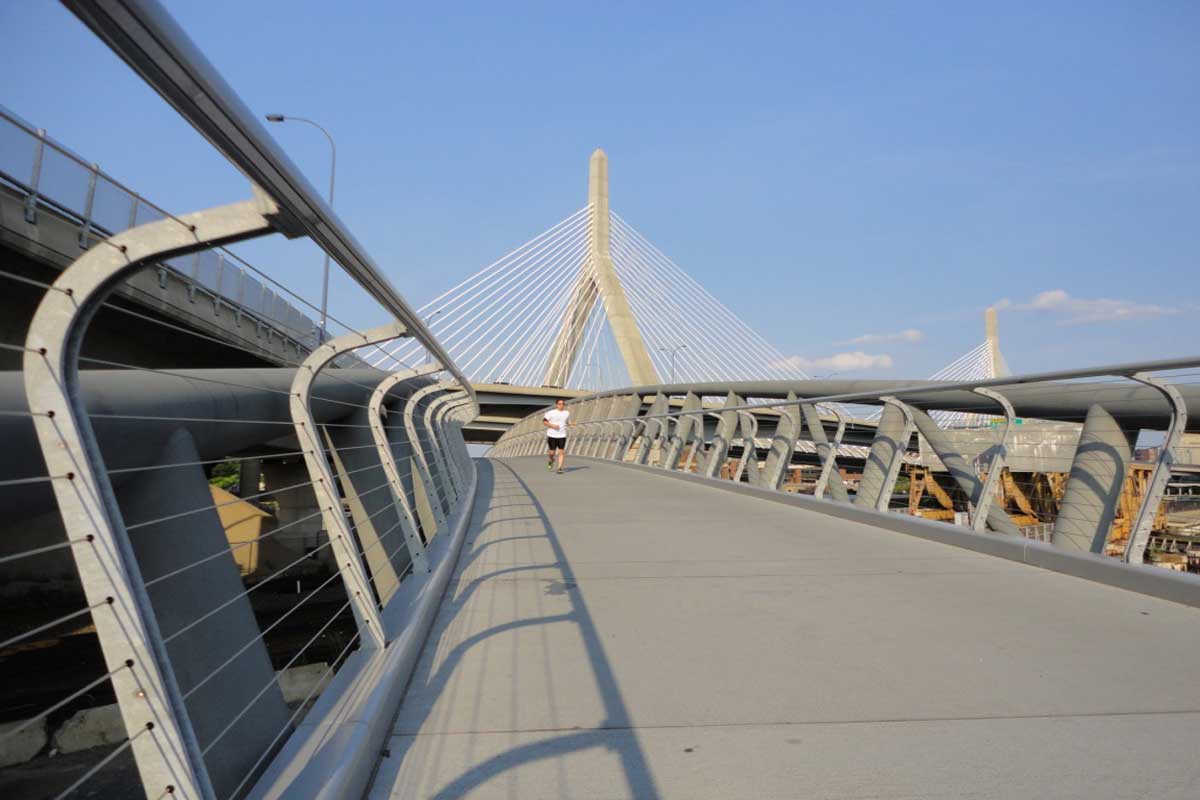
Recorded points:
610,633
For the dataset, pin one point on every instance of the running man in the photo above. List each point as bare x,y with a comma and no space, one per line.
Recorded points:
555,421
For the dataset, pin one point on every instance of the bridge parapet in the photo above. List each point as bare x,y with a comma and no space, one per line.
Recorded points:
56,205
1095,460
233,568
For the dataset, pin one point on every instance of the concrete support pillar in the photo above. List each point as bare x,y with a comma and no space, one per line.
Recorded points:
1094,486
180,600
997,518
826,451
249,477
286,480
883,461
783,444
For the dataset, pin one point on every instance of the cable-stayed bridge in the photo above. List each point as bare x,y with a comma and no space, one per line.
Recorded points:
592,304
249,555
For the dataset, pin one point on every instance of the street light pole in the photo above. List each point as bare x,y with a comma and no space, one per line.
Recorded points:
332,177
672,351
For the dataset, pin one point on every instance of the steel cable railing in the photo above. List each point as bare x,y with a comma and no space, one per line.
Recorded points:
1046,487
181,549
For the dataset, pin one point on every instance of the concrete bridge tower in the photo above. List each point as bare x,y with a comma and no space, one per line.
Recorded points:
598,281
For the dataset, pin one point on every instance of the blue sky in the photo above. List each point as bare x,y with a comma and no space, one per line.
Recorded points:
830,174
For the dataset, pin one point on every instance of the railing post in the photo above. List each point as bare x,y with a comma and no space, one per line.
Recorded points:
886,455
696,440
605,410
783,444
433,496
451,480
681,433
1093,492
987,493
723,436
454,466
749,460
1139,533
152,707
408,517
652,428
962,473
88,204
342,542
829,478
35,178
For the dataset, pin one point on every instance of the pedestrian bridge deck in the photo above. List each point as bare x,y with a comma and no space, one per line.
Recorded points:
611,633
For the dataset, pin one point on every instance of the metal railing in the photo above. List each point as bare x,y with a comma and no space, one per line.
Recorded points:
1058,466
50,178
232,566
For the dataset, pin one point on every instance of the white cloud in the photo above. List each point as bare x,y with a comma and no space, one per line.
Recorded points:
1002,304
907,335
839,362
1076,310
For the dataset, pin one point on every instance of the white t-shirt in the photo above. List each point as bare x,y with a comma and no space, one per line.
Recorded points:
559,418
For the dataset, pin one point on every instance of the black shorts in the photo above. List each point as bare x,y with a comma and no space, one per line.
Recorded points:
556,443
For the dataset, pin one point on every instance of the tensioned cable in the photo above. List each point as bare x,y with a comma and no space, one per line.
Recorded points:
573,296
509,331
517,337
219,381
300,708
37,550
270,683
240,595
659,328
233,548
535,358
531,352
463,330
478,276
654,277
639,244
457,326
262,635
588,341
75,695
732,337
671,270
20,637
645,279
512,301
537,248
103,762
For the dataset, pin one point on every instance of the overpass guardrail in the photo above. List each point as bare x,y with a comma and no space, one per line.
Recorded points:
51,178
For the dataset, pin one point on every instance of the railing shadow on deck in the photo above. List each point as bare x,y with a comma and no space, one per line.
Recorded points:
432,676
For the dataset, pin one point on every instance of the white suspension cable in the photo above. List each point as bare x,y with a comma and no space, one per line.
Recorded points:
512,303
655,255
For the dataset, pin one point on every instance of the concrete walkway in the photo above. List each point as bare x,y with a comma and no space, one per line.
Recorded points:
613,634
